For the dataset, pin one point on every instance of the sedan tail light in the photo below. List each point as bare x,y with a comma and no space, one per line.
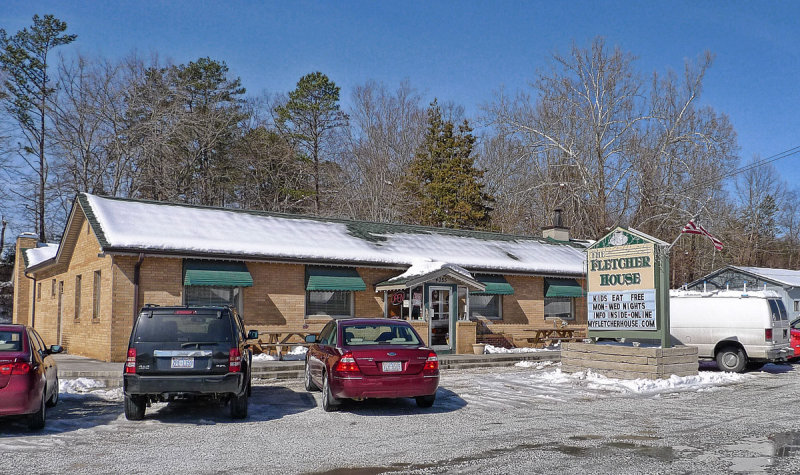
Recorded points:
768,334
234,360
130,363
431,364
347,364
17,367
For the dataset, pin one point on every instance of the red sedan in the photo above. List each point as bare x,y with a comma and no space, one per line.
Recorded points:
28,374
794,339
370,358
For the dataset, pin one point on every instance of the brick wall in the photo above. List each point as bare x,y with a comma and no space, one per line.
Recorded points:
81,331
23,287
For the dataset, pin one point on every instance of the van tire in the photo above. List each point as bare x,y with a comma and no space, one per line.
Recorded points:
731,359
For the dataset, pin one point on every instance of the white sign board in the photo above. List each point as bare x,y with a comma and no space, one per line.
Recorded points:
622,310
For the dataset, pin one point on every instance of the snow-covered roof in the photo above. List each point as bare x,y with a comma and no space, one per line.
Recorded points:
37,255
133,225
737,294
783,276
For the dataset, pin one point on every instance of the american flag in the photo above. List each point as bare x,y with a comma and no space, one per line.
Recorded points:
694,228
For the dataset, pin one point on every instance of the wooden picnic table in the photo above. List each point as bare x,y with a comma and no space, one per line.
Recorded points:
545,336
277,339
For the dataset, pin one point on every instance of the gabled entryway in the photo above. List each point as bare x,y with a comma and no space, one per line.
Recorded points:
429,291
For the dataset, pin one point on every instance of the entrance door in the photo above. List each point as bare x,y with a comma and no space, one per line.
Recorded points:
439,301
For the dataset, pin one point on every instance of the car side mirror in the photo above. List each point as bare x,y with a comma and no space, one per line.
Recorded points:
55,349
252,335
311,338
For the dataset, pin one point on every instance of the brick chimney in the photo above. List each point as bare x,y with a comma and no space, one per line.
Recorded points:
557,231
23,286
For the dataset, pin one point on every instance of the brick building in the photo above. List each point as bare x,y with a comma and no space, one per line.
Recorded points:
285,272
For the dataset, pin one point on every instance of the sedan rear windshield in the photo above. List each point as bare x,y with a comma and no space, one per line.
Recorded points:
183,326
377,334
10,341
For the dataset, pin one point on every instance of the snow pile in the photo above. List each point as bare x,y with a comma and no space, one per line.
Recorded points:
593,381
84,386
490,349
295,354
534,364
426,266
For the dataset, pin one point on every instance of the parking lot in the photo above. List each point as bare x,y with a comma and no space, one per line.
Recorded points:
519,419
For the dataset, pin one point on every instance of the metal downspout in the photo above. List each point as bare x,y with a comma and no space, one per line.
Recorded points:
136,277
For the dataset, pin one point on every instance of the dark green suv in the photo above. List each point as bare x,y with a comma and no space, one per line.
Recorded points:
185,353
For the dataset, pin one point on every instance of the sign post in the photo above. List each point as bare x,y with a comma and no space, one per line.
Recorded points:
628,287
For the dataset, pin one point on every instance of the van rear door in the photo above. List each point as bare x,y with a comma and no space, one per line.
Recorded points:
780,322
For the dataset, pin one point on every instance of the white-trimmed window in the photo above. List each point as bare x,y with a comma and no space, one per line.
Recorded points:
329,303
486,305
559,307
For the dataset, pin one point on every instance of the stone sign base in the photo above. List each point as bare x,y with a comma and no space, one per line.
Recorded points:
629,362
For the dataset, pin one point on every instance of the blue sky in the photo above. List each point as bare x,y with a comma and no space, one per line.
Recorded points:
463,51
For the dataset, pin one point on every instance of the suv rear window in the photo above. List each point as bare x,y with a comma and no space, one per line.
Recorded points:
183,326
10,341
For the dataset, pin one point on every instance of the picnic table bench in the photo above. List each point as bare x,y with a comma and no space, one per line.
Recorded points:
277,339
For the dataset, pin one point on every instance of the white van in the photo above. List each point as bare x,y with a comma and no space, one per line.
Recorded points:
738,329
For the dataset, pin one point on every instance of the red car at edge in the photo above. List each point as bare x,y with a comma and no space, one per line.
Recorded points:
363,358
28,374
794,337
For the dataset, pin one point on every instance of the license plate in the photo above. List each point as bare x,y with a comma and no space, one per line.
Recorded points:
182,362
392,366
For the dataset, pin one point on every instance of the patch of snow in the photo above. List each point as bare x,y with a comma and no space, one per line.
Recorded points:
82,387
737,294
499,349
174,228
426,266
37,255
295,354
534,364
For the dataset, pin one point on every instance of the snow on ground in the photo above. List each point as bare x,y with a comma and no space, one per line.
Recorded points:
499,349
297,353
75,388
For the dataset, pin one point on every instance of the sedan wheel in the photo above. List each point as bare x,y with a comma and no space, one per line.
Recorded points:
329,403
37,419
426,401
54,398
309,383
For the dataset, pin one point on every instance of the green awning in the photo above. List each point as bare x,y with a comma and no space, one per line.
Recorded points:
562,288
334,278
495,285
216,273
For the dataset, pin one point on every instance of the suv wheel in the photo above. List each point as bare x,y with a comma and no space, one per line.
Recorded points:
134,407
239,406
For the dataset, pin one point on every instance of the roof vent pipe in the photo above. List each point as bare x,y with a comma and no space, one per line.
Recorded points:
557,218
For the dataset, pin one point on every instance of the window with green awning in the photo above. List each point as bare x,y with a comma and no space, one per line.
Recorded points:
495,285
216,274
334,278
563,288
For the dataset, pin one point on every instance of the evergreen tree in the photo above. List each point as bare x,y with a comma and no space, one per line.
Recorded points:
443,186
309,118
23,58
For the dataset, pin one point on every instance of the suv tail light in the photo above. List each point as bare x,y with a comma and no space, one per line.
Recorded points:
768,334
17,367
130,363
347,364
431,364
235,360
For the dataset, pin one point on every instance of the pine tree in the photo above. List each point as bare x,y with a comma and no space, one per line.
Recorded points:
443,186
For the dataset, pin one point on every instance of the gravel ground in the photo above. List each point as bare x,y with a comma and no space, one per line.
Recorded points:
508,420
